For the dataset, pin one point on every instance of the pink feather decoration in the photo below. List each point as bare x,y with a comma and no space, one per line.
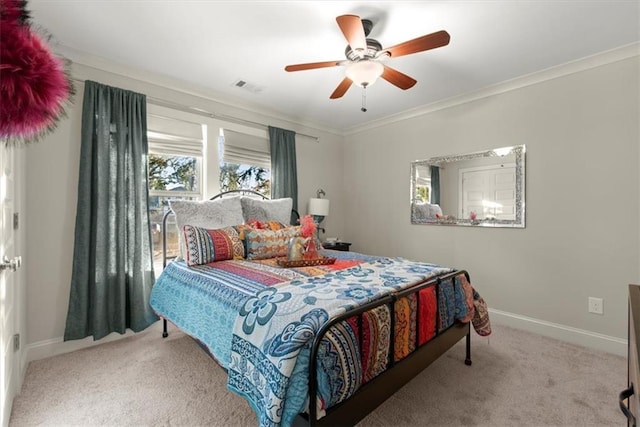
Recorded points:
34,85
307,226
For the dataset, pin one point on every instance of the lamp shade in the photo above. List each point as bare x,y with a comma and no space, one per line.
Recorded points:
319,207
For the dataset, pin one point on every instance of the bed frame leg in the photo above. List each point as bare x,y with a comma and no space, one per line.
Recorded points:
166,334
467,360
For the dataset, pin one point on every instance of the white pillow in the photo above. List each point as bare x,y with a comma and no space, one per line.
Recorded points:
420,210
426,210
267,210
436,210
210,214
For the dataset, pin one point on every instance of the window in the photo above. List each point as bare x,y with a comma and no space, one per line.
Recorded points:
245,162
422,184
187,160
423,192
176,153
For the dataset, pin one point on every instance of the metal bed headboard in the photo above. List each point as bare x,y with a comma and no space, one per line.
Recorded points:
241,192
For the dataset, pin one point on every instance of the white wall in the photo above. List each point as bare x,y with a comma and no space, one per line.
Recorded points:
581,132
582,186
51,196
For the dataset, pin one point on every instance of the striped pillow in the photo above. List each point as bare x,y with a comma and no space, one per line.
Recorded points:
204,246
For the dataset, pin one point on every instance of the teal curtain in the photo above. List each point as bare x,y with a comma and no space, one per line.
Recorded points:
435,185
284,173
112,271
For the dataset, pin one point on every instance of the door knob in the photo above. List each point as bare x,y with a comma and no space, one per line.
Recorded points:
10,264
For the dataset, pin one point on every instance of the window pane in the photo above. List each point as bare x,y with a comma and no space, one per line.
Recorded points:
423,193
245,177
173,173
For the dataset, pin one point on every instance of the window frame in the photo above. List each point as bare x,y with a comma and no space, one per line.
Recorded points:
173,141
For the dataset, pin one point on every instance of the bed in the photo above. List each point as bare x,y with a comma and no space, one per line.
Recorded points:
325,344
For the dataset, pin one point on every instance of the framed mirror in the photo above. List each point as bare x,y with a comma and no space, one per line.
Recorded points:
481,189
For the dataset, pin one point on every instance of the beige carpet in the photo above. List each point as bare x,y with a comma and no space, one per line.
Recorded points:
517,379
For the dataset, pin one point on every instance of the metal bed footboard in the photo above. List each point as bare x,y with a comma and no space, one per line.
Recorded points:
370,395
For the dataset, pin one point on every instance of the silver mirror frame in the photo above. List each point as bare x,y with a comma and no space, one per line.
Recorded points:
519,222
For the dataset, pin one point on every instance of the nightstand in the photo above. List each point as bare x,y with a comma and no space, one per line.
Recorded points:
337,246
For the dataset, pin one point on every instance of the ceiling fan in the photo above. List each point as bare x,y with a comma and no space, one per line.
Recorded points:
365,56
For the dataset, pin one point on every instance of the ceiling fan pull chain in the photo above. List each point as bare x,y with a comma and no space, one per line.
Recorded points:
364,99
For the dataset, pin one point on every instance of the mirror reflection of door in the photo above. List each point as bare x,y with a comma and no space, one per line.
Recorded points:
488,191
494,189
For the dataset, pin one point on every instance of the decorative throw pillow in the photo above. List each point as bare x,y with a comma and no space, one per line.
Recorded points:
205,246
262,244
265,225
209,214
267,210
242,229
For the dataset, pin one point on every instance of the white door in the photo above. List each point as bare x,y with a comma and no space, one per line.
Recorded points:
9,262
489,191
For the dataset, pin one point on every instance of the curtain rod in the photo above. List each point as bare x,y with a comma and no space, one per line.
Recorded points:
164,103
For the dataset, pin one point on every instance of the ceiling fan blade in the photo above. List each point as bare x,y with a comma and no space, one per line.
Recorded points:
353,31
397,78
312,65
342,88
420,44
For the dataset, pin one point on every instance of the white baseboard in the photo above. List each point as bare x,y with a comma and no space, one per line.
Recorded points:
592,340
55,346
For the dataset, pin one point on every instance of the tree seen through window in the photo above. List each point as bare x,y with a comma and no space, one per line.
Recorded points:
236,177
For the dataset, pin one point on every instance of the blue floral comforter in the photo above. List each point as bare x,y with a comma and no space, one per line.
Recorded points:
195,298
274,329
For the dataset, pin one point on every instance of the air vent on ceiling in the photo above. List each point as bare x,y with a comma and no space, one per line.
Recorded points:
243,84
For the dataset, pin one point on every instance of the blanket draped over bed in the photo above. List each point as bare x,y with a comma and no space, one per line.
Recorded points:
259,320
275,328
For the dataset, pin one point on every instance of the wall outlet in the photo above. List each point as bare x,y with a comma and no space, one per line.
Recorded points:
595,305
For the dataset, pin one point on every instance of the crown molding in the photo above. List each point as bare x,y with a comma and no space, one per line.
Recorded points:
183,87
583,64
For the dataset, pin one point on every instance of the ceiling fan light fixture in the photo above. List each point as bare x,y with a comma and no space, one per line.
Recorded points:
364,73
365,56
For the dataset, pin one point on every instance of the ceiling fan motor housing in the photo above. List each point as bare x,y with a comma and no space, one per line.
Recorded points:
373,47
367,25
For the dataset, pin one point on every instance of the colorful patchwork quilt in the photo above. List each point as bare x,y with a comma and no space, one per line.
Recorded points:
258,320
279,322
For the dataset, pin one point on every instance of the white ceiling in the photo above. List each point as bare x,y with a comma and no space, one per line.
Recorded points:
212,44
